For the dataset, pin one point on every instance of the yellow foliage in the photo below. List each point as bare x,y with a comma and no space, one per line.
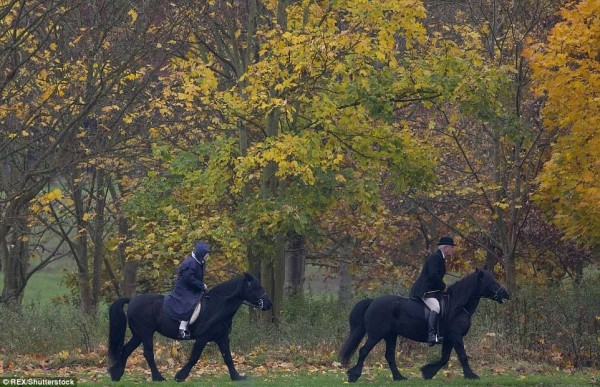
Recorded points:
134,15
55,194
567,72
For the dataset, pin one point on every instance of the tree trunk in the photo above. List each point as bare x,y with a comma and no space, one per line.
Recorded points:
128,283
268,283
346,283
295,261
79,247
15,261
346,279
273,262
272,270
511,273
98,234
130,271
278,276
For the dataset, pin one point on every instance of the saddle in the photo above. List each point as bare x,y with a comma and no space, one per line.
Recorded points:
444,300
417,308
195,313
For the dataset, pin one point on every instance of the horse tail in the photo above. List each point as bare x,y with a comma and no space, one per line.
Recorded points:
116,330
357,331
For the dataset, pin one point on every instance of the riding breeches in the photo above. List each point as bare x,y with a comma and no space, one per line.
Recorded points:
432,303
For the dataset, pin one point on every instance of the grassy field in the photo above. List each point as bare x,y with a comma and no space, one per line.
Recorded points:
48,340
43,286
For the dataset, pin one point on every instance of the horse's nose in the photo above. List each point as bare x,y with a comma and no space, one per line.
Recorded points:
267,304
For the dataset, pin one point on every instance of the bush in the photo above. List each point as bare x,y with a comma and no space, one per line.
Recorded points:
556,325
310,330
48,329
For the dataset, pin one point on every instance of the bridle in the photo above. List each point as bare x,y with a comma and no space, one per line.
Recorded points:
496,297
259,302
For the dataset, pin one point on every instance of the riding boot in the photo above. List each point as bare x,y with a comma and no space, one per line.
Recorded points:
432,333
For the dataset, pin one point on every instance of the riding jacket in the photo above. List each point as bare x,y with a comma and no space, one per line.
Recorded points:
188,288
431,278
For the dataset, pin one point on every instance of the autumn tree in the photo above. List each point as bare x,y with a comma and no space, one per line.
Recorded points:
72,74
567,73
490,142
26,142
305,125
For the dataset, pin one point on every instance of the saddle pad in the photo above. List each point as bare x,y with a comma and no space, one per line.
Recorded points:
415,308
196,312
418,310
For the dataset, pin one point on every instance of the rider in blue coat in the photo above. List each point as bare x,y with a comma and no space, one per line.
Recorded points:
188,288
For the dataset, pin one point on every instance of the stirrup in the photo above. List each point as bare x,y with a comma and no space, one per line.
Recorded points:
436,340
184,334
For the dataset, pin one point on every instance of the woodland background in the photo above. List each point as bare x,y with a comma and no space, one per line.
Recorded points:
338,136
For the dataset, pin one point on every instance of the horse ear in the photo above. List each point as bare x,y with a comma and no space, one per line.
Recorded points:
480,274
248,276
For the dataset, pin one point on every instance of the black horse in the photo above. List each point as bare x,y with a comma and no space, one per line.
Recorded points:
386,317
145,316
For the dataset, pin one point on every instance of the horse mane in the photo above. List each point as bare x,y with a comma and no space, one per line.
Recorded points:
461,291
226,287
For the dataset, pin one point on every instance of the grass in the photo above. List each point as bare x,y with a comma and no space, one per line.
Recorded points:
43,286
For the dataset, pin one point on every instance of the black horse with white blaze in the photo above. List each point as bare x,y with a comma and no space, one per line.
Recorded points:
145,316
387,317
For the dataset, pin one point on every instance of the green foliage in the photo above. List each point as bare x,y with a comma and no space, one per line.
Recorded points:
313,120
181,202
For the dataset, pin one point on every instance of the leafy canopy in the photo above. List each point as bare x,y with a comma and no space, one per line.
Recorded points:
567,71
318,109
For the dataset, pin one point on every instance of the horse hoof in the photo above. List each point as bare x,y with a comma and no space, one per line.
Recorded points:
472,376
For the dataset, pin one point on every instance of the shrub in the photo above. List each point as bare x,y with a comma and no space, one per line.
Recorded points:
557,325
48,329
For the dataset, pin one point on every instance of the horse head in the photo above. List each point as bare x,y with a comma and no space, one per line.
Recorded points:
255,295
490,288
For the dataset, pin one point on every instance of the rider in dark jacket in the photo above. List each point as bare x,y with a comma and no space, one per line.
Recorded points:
188,288
431,283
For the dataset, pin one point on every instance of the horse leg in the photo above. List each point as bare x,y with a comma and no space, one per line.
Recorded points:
459,347
228,359
194,357
117,370
149,355
390,356
429,370
355,372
